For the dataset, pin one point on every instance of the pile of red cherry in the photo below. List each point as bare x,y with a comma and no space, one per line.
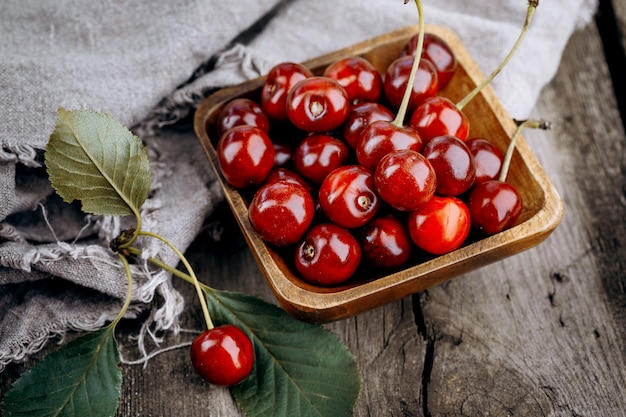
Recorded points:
338,182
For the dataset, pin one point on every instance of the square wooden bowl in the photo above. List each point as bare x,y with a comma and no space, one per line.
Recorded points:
542,211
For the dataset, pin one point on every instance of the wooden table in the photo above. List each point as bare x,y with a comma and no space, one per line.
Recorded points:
542,333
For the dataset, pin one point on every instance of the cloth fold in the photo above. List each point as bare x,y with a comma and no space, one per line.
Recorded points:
139,62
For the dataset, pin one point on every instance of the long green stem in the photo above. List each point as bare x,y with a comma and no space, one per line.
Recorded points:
176,272
138,228
532,5
129,293
192,275
404,104
506,162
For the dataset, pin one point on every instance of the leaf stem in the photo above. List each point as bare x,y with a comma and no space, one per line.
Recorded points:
531,123
404,104
129,293
192,275
532,5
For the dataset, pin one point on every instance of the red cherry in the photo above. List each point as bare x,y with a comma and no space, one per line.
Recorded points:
242,111
347,196
487,158
317,104
382,137
285,174
440,225
437,51
317,155
438,116
396,80
360,116
276,86
281,212
494,206
328,255
358,76
453,163
405,179
223,355
385,243
245,156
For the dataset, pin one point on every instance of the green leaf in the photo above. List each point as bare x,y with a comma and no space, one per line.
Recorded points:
301,369
91,157
79,379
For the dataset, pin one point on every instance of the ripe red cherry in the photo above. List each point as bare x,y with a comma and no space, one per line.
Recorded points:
245,156
223,355
347,196
281,212
242,111
440,225
438,116
385,243
317,155
494,206
437,51
397,78
487,158
328,255
276,86
405,179
358,76
285,174
317,104
360,116
382,137
453,163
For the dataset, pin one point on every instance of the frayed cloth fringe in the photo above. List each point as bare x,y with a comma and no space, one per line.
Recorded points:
37,343
20,153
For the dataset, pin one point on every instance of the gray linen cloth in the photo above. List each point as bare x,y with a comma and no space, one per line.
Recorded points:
149,64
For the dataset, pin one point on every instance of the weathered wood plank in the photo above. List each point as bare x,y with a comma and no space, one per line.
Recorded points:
543,333
390,353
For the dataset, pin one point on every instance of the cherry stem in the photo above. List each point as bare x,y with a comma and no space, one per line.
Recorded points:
194,279
532,5
521,125
128,298
176,272
404,104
